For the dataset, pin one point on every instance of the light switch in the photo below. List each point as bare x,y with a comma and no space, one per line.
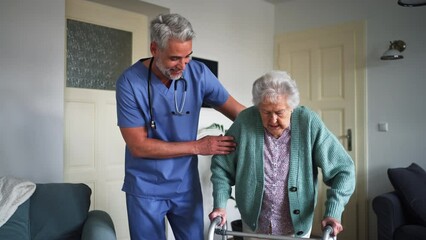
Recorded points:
383,127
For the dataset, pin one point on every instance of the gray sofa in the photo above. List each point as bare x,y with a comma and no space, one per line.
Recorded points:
58,211
393,221
401,214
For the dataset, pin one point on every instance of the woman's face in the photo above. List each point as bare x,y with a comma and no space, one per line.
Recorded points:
275,116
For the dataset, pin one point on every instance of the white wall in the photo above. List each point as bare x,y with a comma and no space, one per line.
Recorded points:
395,89
31,89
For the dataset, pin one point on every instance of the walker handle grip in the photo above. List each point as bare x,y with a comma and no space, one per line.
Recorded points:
216,221
328,230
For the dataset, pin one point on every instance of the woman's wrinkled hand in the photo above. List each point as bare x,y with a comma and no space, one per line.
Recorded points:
218,212
334,223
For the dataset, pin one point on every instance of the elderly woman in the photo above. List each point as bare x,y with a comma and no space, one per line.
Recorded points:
280,148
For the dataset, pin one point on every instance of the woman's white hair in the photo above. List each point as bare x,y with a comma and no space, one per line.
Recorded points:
274,84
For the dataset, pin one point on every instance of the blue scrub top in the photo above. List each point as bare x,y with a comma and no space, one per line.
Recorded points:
161,178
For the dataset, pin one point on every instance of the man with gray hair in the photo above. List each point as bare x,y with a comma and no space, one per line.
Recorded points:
159,100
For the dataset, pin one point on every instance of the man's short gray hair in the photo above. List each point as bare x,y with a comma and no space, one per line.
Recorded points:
170,26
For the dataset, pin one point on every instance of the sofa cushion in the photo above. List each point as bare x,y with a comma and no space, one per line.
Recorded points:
58,210
409,183
18,225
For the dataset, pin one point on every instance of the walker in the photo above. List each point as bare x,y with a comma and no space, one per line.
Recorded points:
213,229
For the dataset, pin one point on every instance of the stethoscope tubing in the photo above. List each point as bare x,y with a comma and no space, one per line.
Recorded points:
152,122
179,110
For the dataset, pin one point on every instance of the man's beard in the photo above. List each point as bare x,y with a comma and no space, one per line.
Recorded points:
167,72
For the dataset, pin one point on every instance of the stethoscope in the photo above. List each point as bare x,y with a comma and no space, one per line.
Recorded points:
179,110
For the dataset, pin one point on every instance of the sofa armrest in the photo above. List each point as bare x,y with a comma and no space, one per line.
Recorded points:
390,214
98,226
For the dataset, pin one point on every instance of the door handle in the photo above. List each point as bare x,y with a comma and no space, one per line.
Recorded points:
348,137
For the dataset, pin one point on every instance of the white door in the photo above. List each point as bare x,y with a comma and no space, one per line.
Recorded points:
328,67
94,148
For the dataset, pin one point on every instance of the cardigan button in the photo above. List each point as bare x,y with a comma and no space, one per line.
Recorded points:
300,233
297,211
293,189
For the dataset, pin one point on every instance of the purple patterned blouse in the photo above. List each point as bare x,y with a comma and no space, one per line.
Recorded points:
275,212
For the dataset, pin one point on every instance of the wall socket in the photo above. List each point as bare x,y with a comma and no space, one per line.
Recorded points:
383,127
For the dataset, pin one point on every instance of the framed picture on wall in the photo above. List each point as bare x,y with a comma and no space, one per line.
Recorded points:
213,66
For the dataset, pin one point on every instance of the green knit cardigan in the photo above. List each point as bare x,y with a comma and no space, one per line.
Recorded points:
313,148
